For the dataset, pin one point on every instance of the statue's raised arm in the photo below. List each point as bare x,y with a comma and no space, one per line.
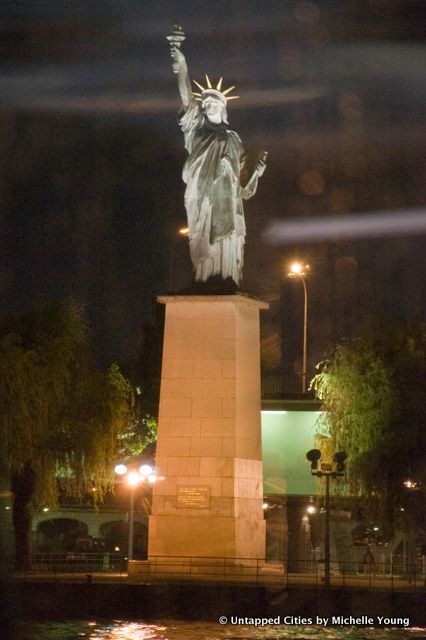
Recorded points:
214,193
179,65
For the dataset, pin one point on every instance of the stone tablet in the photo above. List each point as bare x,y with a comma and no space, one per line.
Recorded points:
193,497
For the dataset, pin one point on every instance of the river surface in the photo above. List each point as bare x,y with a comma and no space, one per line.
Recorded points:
178,630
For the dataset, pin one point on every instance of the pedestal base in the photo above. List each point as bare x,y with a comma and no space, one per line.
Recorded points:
209,502
169,569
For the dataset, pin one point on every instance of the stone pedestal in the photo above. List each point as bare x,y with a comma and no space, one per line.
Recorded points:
209,502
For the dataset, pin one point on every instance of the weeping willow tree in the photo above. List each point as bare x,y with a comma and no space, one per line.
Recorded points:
59,418
373,394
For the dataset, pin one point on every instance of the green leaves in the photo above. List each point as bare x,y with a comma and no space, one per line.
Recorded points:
58,415
142,433
373,393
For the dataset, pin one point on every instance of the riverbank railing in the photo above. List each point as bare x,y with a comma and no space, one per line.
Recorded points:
342,574
78,562
232,570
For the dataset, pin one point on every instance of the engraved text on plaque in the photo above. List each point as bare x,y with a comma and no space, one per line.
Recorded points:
193,497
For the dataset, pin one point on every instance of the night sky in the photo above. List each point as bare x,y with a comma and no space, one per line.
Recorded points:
91,196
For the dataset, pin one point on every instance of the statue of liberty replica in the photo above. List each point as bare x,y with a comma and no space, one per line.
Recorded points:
213,174
209,508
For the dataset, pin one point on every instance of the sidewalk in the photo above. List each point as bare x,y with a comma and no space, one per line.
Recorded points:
358,582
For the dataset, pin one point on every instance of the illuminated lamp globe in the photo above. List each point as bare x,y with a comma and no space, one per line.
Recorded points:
120,469
410,484
133,478
145,470
298,270
296,267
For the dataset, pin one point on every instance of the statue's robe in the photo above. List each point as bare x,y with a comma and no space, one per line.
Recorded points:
213,195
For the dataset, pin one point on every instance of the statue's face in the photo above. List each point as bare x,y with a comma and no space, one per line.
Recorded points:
213,109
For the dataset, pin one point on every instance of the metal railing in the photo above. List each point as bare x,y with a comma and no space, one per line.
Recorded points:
362,574
279,385
309,573
345,574
282,385
77,562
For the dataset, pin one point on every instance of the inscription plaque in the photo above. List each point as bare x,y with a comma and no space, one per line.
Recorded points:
194,497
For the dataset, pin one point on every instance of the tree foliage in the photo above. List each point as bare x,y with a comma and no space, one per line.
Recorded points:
373,393
144,371
139,438
57,413
59,417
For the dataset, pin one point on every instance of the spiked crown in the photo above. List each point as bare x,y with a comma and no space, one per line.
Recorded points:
216,91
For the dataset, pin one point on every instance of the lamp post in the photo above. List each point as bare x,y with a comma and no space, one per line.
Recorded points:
134,477
326,471
183,231
412,487
300,271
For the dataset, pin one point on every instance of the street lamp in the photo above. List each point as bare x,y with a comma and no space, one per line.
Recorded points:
413,487
183,231
133,477
326,471
410,484
300,271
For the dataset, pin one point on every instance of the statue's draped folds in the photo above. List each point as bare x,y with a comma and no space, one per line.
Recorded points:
212,173
213,196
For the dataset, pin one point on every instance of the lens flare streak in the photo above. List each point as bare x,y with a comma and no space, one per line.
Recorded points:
362,225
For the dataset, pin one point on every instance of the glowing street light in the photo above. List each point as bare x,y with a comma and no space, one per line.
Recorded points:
120,469
300,271
410,484
133,478
145,470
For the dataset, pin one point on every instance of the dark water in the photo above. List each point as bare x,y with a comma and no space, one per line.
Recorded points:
177,630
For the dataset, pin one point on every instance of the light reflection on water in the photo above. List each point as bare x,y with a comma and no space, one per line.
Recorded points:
178,630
